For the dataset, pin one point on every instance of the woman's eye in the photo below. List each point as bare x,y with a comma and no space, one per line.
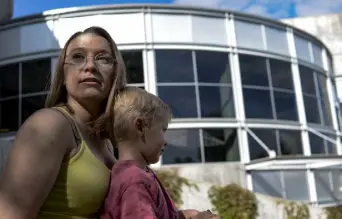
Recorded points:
78,56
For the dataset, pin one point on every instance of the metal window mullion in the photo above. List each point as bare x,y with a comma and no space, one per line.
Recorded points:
268,72
20,94
263,35
196,87
312,186
202,149
298,92
151,73
318,97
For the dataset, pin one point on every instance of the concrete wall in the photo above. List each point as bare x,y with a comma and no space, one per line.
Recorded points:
206,175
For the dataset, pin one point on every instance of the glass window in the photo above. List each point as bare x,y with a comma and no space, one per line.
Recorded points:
325,193
134,66
253,70
181,99
248,35
9,80
281,74
307,79
174,66
183,146
319,145
317,54
30,105
285,105
324,97
9,111
276,40
213,67
311,109
296,185
283,142
258,103
268,137
216,101
35,75
302,48
290,142
267,183
221,145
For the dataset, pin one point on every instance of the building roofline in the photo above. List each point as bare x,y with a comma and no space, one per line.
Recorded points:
81,10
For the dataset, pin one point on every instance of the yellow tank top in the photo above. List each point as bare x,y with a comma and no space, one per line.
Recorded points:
80,188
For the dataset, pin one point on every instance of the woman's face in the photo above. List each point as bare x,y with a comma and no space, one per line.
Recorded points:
89,68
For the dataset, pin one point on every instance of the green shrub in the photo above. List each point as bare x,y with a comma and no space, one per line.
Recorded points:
334,212
294,210
173,184
233,202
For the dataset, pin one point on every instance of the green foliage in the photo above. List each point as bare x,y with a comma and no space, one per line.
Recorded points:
233,202
334,212
294,210
173,184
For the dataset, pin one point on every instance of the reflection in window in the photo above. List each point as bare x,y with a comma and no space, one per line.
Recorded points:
183,146
285,105
221,145
281,74
248,35
317,54
216,101
134,66
35,75
30,105
181,99
315,95
257,103
263,101
283,142
291,185
9,111
276,40
174,66
9,80
302,48
253,70
319,145
213,67
328,185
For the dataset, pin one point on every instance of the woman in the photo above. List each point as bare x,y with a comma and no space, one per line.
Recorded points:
59,165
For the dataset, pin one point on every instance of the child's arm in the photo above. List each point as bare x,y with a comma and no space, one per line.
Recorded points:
136,202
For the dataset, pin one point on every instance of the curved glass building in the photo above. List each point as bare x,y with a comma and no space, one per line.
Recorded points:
242,88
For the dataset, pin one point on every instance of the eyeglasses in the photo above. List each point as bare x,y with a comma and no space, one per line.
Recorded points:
103,62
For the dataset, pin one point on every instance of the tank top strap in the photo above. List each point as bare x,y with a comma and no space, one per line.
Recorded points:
76,132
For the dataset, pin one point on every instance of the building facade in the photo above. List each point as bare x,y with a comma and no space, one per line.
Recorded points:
242,89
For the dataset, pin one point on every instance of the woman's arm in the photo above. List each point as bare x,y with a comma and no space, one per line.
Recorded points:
33,164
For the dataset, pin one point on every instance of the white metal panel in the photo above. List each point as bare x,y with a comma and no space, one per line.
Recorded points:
37,37
124,28
171,28
209,30
9,42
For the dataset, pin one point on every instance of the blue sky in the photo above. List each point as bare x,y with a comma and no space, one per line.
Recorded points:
268,8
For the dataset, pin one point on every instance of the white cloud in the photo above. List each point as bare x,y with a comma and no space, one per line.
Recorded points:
272,8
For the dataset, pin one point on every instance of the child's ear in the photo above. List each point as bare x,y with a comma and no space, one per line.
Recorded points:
140,125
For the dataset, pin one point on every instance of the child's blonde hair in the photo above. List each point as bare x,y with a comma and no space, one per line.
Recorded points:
132,103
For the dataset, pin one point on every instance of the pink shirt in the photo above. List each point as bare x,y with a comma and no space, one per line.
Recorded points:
136,194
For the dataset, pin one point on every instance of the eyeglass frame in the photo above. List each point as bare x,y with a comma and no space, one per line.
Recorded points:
112,64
